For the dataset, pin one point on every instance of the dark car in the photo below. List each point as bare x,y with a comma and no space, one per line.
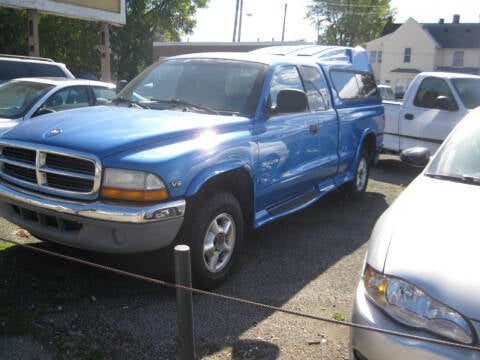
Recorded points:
13,66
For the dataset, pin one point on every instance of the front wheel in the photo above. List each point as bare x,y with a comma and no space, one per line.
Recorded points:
214,232
356,188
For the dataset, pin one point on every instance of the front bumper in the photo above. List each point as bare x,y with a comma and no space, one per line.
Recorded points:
369,345
95,225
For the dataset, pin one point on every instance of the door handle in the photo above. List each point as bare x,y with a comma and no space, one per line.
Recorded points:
409,116
313,129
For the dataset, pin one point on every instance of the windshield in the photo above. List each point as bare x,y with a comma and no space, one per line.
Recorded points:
17,98
207,85
469,91
459,158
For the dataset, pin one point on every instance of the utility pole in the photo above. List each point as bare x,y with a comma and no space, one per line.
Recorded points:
284,17
240,21
235,22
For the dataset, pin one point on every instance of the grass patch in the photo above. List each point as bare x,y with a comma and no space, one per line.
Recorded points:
6,246
339,316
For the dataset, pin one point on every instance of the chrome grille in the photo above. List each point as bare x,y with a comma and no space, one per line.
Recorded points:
50,170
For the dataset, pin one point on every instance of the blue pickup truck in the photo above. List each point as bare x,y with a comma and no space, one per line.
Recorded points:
196,149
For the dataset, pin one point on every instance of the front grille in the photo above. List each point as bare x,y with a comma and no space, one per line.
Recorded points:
50,170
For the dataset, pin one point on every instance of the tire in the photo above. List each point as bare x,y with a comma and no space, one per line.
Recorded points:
355,189
214,231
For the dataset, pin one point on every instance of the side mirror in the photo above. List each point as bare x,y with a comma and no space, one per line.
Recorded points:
120,85
291,101
416,156
443,102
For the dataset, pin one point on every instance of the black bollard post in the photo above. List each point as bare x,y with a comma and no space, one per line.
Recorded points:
183,277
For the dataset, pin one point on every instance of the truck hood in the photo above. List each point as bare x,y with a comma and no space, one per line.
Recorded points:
430,238
105,130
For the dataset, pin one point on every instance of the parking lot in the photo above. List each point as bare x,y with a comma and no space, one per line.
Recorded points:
308,262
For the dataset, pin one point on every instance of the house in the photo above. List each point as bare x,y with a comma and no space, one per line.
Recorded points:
407,49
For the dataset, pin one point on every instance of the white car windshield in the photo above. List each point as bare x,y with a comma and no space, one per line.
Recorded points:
459,158
16,98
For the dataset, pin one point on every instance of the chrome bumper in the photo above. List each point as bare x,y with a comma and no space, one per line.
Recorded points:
96,210
94,226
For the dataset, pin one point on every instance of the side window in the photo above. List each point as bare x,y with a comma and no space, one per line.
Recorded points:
103,95
354,85
429,90
316,88
284,77
70,97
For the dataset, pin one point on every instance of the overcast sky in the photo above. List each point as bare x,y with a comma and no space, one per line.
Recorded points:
263,19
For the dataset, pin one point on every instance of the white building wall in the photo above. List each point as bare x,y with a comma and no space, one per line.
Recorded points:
471,57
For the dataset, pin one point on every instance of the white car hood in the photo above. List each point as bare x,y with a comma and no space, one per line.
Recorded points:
7,124
430,236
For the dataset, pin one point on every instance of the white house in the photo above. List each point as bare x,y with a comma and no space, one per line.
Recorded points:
413,47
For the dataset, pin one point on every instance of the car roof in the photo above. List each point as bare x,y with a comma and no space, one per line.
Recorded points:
61,81
448,75
242,56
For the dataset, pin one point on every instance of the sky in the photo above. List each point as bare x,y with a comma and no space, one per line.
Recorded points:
262,20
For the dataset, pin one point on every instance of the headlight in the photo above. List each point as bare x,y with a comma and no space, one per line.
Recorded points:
132,185
409,305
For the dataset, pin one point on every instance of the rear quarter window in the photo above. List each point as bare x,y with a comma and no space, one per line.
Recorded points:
351,85
11,70
16,69
44,70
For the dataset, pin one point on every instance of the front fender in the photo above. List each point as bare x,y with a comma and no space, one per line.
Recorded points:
207,174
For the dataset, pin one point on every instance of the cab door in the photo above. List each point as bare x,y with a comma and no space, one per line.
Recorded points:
290,151
423,123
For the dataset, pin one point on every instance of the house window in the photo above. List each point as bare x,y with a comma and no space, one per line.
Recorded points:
375,56
407,55
458,58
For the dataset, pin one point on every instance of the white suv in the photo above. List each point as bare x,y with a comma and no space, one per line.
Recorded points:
13,66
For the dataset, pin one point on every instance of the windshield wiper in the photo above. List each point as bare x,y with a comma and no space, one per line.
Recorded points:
187,105
131,103
458,178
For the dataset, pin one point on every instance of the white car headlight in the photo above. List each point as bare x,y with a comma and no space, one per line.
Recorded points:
409,305
132,185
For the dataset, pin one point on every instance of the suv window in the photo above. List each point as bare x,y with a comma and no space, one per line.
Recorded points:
12,68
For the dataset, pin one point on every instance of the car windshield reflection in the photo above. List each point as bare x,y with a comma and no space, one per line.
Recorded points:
459,158
17,98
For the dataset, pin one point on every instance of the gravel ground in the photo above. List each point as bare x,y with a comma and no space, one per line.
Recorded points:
308,262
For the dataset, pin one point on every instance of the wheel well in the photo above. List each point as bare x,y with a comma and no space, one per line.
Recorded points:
238,183
370,144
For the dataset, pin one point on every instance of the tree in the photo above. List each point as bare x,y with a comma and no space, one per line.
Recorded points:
349,22
13,31
132,45
76,42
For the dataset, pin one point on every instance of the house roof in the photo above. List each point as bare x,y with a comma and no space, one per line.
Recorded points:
406,71
463,70
455,36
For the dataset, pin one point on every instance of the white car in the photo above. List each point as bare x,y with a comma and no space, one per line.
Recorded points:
26,98
421,269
